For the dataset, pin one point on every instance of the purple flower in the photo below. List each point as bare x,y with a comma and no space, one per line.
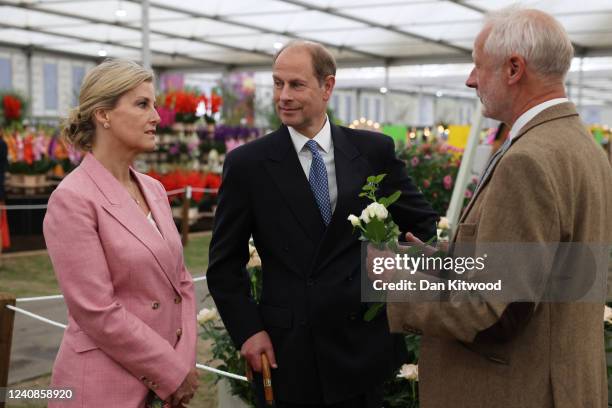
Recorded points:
51,147
447,181
174,149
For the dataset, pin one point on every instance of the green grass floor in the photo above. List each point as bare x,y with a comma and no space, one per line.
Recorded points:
32,274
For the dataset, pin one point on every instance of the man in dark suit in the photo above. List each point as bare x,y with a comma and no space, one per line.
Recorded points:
293,190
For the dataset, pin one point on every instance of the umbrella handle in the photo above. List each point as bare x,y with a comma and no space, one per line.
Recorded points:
267,380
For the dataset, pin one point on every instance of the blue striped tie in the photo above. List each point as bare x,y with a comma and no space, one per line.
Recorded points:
318,182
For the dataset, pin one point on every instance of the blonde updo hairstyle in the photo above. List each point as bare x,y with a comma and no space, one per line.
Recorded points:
101,89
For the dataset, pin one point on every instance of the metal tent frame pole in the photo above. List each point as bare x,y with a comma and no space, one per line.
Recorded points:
465,170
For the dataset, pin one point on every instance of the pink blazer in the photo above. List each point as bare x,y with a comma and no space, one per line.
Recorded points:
131,303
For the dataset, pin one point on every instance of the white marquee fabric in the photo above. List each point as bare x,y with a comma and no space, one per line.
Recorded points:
217,35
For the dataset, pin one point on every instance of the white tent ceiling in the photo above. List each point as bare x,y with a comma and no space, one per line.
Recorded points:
221,33
216,35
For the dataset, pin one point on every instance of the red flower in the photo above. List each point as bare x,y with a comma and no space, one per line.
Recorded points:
182,102
12,107
447,181
202,98
28,150
153,174
215,102
212,181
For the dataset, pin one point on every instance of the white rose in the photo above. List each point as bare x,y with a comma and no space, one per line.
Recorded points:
443,223
381,212
365,216
377,210
607,314
206,315
409,372
213,155
354,220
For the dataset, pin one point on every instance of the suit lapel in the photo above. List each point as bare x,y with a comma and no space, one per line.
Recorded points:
351,173
286,172
554,112
158,206
122,207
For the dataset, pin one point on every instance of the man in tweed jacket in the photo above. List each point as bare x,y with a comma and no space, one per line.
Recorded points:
550,183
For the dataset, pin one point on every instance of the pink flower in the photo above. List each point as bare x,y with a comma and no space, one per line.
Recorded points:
468,194
167,116
414,161
426,183
447,181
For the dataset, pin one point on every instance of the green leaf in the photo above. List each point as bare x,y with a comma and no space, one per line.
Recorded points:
379,178
368,187
392,198
376,231
371,179
372,312
363,194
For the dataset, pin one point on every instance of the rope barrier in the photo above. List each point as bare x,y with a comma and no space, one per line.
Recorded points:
204,190
24,207
223,373
176,191
33,299
168,193
37,317
53,297
63,326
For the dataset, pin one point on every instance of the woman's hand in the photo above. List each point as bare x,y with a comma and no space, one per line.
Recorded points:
186,390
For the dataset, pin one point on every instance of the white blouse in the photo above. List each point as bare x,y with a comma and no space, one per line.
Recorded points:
153,223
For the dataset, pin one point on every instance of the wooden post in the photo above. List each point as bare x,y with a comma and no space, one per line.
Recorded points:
185,218
7,317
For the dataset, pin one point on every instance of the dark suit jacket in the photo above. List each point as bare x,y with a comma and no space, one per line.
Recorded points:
310,304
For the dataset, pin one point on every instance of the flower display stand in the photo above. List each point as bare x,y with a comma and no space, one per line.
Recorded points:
34,180
29,184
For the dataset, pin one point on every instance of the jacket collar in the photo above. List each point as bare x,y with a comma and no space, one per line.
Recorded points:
126,211
555,112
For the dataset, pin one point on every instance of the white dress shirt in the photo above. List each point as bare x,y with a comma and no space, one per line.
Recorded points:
532,113
325,145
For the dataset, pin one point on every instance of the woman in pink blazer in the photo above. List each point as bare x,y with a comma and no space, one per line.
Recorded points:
117,255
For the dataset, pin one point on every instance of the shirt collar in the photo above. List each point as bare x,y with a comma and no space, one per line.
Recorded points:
323,138
532,113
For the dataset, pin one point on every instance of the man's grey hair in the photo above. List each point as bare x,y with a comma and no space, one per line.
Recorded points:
534,35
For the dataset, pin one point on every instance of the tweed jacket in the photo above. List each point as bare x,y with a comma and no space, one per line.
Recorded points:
554,184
